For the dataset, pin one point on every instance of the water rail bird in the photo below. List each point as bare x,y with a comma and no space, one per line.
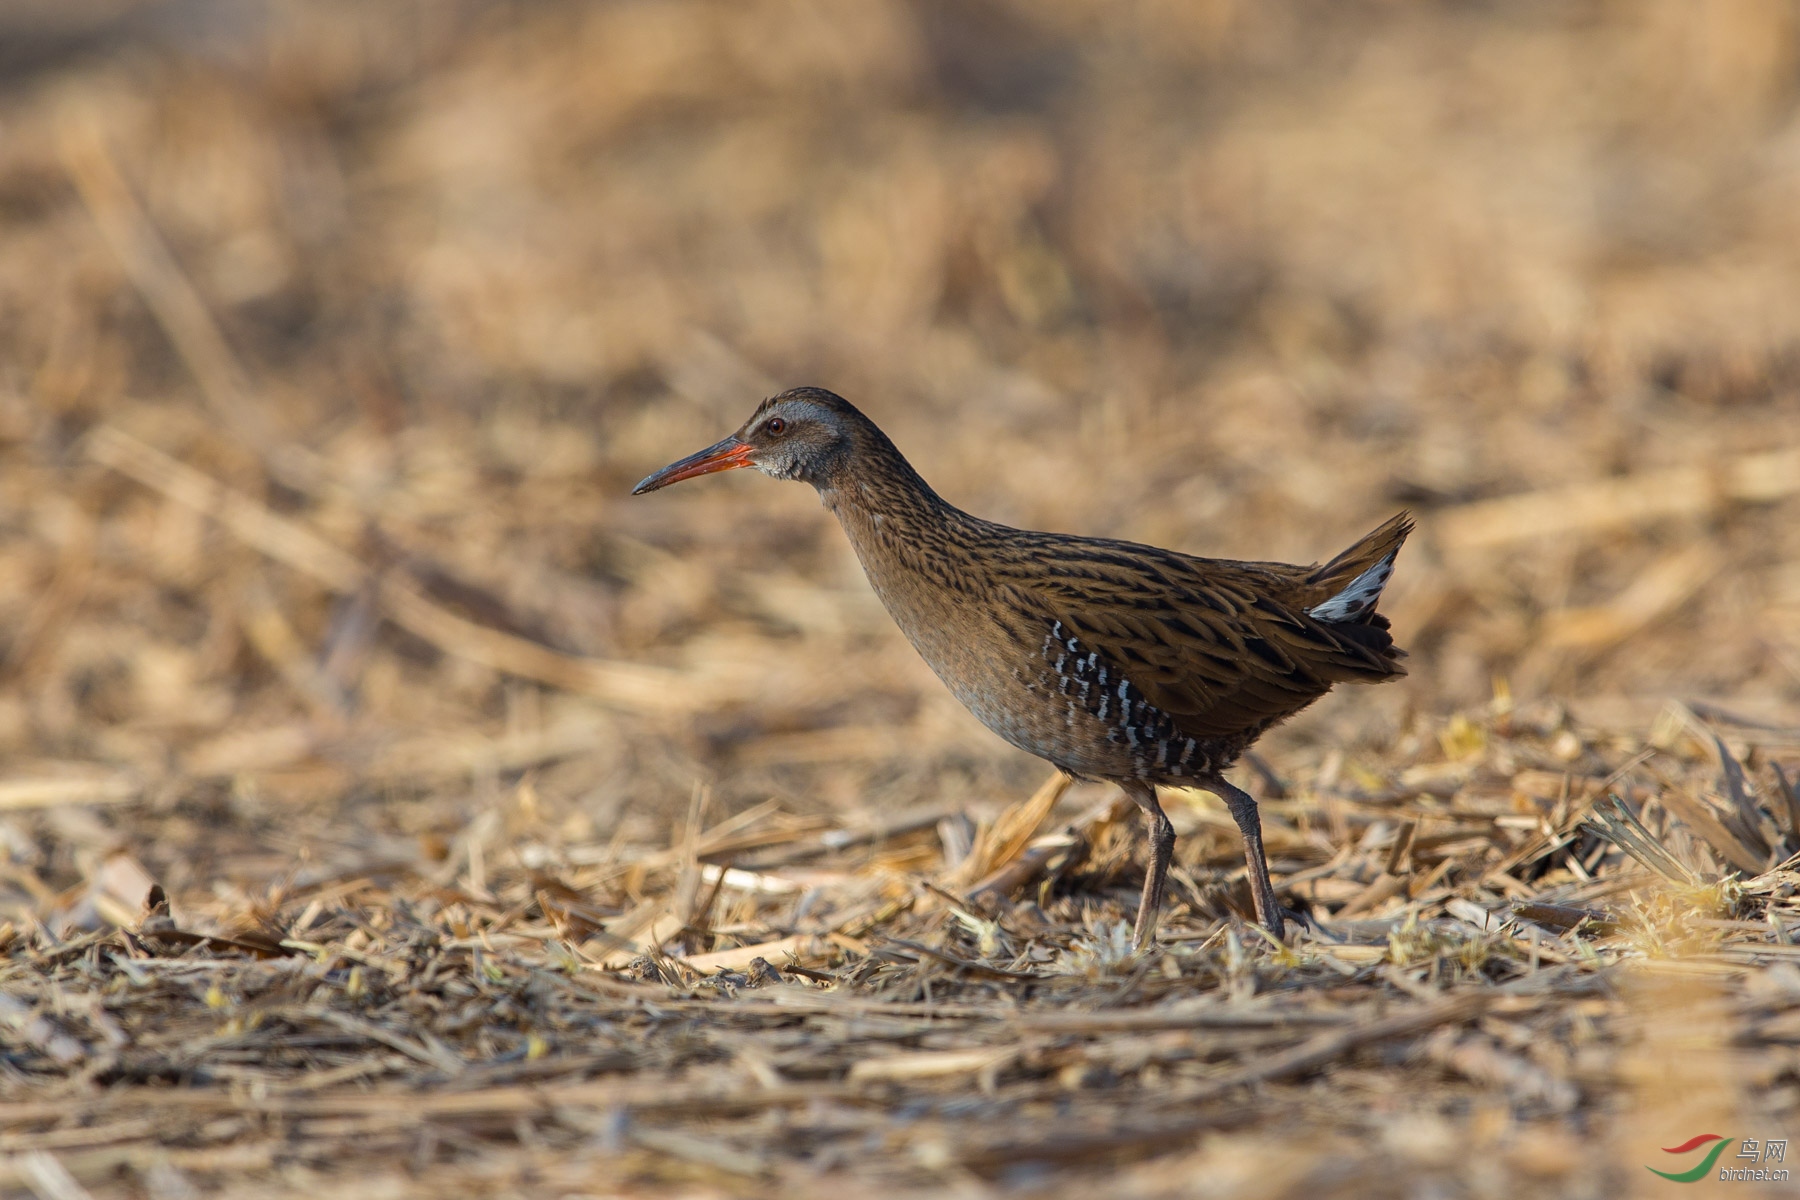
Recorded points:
1111,660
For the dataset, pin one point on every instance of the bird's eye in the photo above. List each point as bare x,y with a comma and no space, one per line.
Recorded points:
775,427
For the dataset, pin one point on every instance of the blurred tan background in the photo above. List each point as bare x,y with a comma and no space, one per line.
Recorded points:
424,288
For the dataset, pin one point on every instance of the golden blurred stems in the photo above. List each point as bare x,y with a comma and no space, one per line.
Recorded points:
184,317
150,266
1630,500
629,686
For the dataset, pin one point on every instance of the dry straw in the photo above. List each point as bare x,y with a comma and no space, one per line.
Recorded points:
390,806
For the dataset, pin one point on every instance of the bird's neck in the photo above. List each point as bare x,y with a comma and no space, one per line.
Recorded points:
890,514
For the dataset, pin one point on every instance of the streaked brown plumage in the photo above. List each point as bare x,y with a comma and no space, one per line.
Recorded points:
1110,659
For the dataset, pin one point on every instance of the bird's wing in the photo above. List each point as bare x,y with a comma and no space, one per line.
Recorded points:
1219,646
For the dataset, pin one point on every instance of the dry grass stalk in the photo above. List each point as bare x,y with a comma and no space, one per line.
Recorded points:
1000,843
50,793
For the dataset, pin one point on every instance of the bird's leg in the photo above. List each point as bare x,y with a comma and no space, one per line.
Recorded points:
1243,811
1162,850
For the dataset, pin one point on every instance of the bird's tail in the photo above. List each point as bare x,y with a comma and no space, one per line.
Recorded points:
1350,585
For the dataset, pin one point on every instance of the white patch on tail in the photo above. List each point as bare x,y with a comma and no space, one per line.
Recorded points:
1358,598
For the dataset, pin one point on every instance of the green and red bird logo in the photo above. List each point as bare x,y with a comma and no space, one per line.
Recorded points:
1705,1165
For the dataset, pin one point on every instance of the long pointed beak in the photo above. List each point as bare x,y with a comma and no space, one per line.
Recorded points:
720,456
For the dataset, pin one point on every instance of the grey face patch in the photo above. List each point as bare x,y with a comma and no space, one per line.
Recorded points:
778,466
813,438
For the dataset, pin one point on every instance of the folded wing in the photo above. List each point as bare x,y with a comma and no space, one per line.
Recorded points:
1222,647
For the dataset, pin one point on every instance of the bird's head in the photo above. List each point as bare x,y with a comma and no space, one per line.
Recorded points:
806,433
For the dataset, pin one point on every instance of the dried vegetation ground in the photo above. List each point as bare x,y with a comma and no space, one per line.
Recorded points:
390,806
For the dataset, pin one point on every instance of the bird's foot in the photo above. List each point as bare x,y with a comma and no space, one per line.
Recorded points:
1300,917
1284,921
